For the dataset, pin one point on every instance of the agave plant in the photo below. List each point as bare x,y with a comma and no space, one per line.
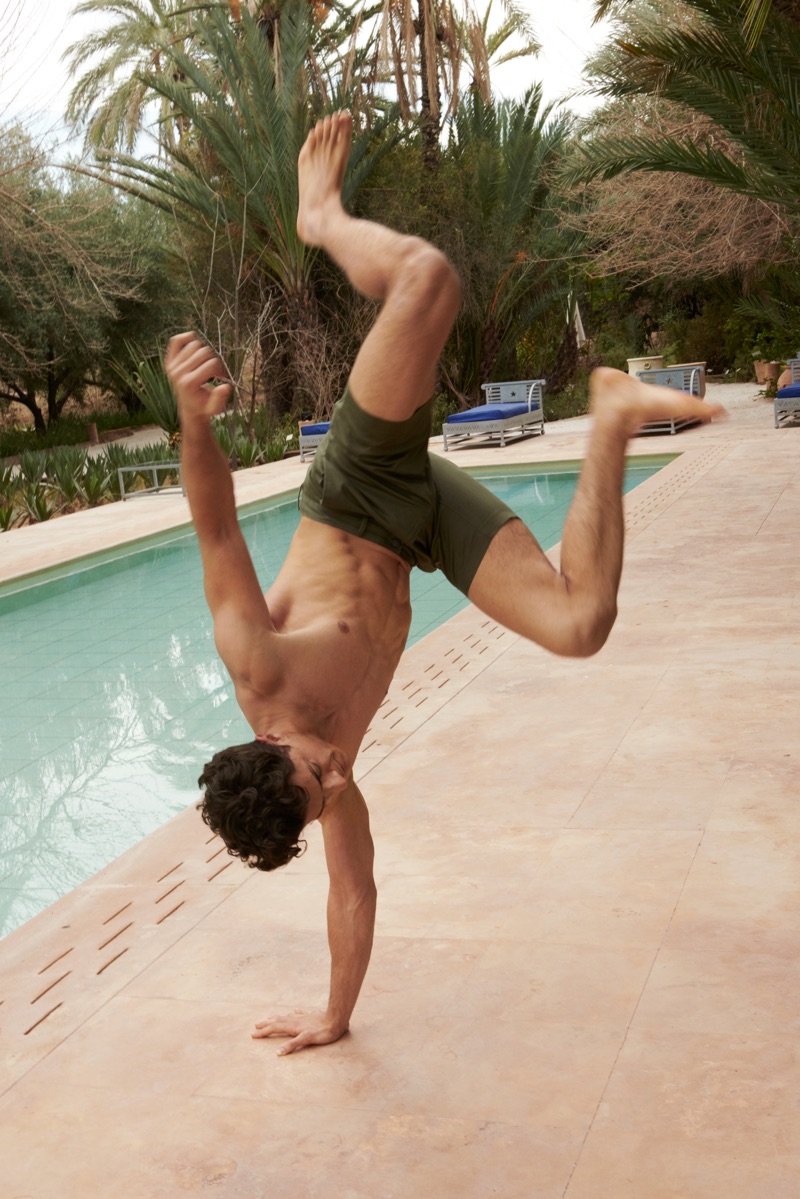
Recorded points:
32,466
65,470
151,386
38,502
10,513
248,453
96,484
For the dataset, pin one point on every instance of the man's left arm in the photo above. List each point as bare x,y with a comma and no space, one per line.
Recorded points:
351,922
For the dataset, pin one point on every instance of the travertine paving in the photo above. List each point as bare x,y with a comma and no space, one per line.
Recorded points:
586,965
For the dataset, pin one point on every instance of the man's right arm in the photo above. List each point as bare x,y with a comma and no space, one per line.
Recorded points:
231,584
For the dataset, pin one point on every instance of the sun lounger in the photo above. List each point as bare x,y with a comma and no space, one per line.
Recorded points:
310,437
690,379
510,408
787,401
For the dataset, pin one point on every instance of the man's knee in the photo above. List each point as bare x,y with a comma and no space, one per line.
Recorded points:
431,278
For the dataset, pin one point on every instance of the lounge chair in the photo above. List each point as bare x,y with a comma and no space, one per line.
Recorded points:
310,436
691,379
510,408
787,401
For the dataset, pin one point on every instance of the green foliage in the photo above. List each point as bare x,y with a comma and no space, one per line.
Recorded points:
65,470
572,401
32,467
152,388
96,482
9,515
79,269
37,501
443,405
750,94
68,430
501,227
109,98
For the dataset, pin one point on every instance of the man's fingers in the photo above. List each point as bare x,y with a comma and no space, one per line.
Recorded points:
176,343
298,1042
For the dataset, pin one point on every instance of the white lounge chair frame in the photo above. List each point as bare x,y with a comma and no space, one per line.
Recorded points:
309,442
528,391
681,378
788,409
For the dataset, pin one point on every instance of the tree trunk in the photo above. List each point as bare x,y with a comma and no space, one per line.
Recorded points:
429,123
566,361
490,348
28,400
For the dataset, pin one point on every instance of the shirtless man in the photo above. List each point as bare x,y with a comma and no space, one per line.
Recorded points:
312,659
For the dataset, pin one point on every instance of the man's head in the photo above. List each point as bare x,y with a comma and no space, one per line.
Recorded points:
260,796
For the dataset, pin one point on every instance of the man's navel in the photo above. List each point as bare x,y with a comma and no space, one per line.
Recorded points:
344,626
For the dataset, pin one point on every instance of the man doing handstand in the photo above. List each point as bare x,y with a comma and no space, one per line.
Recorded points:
311,660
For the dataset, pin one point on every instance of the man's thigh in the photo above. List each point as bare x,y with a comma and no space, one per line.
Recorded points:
517,585
466,520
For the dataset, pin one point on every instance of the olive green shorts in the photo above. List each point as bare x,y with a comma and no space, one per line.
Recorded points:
375,479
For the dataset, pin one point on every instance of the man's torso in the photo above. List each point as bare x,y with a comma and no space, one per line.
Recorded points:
341,612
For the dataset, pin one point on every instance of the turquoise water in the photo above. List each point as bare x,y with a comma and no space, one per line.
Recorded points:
113,695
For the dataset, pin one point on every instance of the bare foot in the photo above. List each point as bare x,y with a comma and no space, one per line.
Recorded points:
626,402
320,170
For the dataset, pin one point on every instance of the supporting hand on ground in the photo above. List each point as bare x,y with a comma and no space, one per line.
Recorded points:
191,367
305,1028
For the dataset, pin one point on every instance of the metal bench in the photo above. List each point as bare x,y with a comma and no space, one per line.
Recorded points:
311,436
690,379
524,414
154,469
787,406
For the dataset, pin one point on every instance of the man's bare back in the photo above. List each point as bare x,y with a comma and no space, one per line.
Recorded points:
313,658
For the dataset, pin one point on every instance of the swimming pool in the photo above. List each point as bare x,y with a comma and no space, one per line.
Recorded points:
113,695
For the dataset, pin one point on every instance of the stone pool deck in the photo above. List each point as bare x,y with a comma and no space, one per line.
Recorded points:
586,967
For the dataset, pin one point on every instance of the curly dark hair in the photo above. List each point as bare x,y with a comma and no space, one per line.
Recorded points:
250,802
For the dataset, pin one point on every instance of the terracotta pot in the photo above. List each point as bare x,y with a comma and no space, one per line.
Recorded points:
772,370
653,362
760,368
785,379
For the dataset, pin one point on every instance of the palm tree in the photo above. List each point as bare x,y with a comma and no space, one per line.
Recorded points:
110,97
755,14
248,99
517,256
425,48
485,50
749,99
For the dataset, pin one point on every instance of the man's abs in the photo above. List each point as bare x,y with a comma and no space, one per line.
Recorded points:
344,602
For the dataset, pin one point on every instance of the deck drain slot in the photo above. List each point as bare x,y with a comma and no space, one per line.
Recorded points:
172,871
215,855
118,933
42,1019
58,959
111,961
216,872
167,915
52,984
171,890
124,908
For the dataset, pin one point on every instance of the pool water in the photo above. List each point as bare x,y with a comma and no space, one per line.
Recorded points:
113,695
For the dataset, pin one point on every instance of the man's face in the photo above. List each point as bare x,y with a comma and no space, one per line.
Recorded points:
320,769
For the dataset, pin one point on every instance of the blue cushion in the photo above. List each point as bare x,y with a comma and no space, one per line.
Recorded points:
490,412
311,430
790,392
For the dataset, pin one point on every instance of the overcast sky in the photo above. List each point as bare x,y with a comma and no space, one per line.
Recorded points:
35,33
